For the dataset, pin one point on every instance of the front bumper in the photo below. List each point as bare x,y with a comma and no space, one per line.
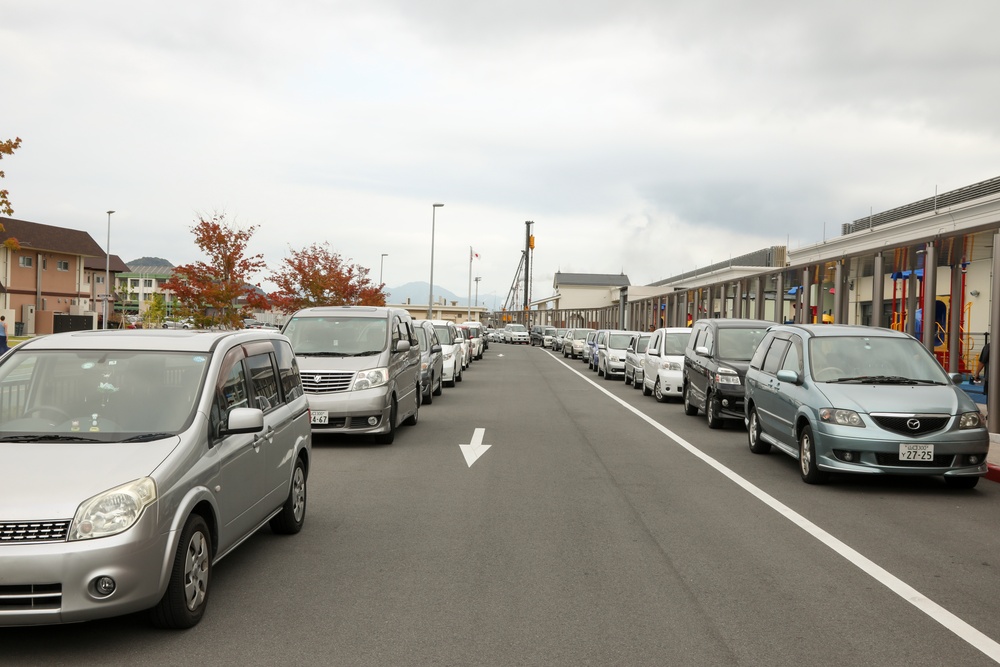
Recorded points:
49,583
351,411
671,383
876,451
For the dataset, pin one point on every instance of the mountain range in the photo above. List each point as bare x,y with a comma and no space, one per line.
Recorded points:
417,292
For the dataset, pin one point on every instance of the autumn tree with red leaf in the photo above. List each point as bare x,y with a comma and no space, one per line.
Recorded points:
317,276
7,148
219,292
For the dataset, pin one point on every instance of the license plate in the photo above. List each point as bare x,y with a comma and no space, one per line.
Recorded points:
320,417
916,452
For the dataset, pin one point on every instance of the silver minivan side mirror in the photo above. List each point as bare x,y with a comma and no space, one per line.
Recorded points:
402,346
243,420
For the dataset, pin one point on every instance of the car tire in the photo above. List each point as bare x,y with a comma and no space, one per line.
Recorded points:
807,458
437,392
183,604
637,383
412,419
600,371
458,376
757,446
658,392
608,375
627,380
712,412
427,398
387,438
961,482
689,409
646,391
293,513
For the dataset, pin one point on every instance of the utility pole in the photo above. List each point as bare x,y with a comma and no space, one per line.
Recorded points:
529,244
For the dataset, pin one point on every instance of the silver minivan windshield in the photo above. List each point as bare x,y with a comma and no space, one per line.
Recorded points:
98,395
337,336
878,359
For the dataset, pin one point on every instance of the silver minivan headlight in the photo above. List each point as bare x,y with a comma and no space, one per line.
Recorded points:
375,377
113,511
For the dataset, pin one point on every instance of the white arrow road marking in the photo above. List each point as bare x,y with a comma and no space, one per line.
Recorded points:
476,448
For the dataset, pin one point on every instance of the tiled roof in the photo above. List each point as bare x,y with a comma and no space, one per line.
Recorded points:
37,236
116,265
591,279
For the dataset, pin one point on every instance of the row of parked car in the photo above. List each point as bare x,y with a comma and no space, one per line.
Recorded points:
838,398
144,457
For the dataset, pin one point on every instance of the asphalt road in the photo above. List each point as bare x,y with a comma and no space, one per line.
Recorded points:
599,528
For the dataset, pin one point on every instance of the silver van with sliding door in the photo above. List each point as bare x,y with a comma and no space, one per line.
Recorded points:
360,368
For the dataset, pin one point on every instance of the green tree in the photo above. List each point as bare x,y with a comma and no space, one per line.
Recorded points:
155,313
317,276
219,292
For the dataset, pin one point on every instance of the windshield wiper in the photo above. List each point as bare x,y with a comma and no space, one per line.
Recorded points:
884,379
48,437
368,353
323,354
147,437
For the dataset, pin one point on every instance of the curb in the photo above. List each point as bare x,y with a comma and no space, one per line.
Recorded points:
994,472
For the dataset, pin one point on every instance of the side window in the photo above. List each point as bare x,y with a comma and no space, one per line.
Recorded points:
264,381
288,370
758,356
231,390
793,360
775,354
709,341
396,332
654,344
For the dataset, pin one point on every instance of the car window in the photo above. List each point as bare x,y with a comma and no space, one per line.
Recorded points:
422,338
654,342
288,370
444,334
673,343
708,341
793,358
739,344
758,356
231,392
345,336
775,355
264,381
641,344
833,358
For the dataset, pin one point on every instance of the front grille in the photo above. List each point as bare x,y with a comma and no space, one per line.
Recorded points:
326,382
911,424
30,596
19,532
940,461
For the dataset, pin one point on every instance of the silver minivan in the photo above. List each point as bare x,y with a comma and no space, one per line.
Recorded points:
136,460
360,368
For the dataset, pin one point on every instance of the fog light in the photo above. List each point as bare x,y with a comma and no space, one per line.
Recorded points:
973,459
372,421
848,456
725,402
104,586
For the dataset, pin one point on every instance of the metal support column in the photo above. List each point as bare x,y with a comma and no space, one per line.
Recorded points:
992,402
928,321
878,290
779,297
955,317
805,310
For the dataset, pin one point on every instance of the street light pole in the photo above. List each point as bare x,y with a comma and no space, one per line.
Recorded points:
107,271
380,265
477,279
430,297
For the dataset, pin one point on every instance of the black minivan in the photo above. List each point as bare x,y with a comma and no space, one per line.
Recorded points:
715,364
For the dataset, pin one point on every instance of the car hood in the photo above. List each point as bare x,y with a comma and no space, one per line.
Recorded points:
739,366
53,479
309,363
905,399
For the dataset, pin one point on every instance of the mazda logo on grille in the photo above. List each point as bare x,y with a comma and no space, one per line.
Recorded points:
913,424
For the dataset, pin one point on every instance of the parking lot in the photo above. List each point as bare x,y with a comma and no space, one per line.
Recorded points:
599,527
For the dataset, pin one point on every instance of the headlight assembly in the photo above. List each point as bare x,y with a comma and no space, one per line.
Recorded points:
376,377
113,511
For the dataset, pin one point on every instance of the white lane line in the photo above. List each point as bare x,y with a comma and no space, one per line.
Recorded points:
949,620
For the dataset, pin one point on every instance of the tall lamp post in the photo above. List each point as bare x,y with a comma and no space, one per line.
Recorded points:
430,296
381,263
107,271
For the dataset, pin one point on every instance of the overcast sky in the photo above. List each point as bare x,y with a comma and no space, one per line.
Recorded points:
644,136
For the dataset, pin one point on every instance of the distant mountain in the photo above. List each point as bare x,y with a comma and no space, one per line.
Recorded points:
149,261
416,292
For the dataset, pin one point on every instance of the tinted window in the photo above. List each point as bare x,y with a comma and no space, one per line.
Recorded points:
739,344
264,381
775,354
758,356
